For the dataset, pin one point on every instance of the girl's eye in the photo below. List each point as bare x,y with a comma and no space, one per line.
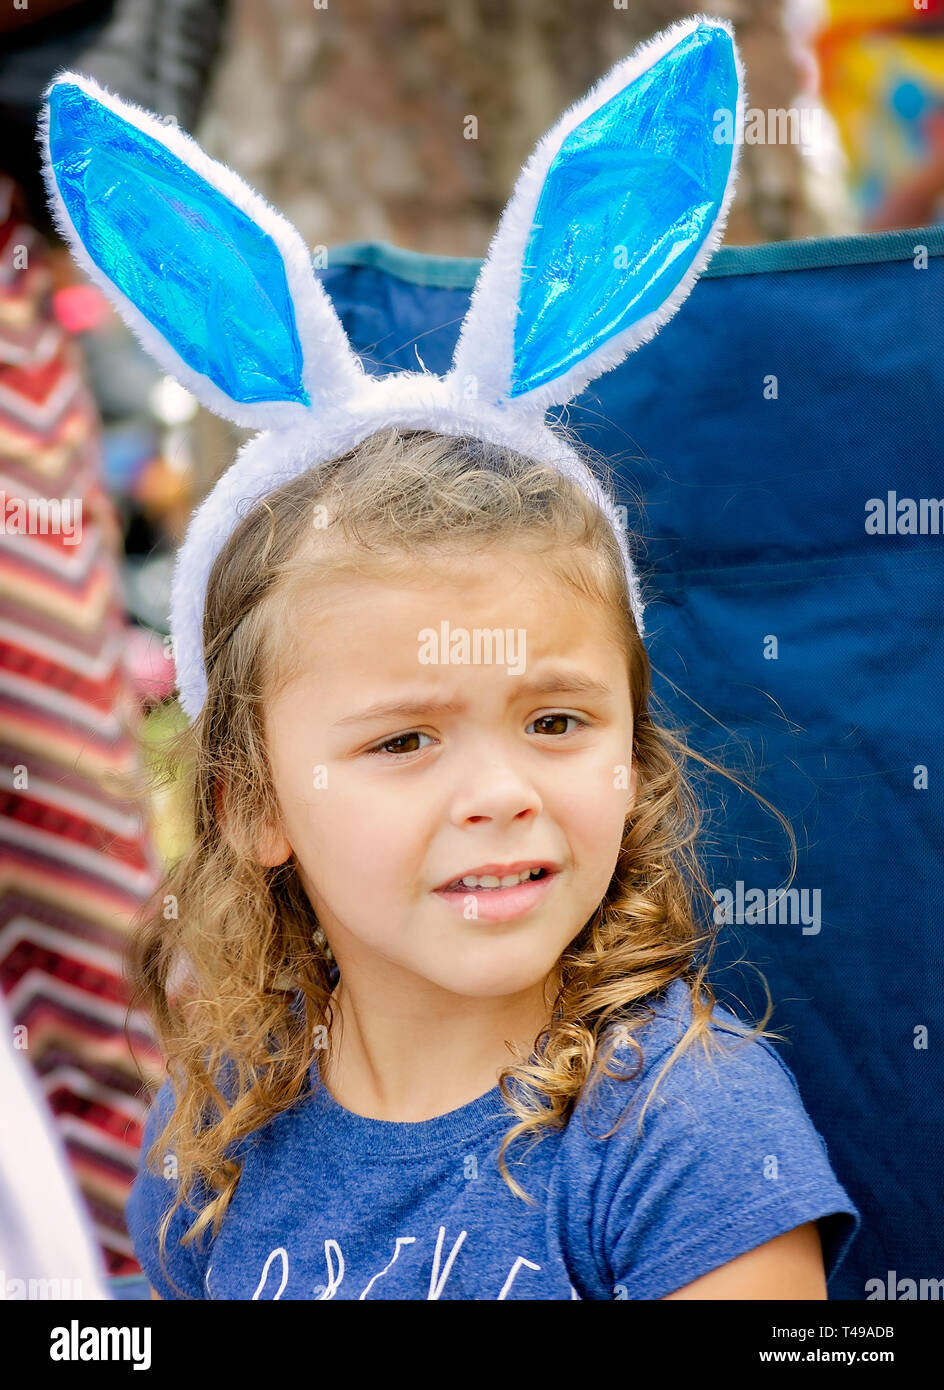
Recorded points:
558,719
398,746
400,738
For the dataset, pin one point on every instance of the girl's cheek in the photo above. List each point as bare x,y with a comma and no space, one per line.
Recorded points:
603,785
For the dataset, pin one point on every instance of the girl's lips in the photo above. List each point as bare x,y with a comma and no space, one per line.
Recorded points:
499,904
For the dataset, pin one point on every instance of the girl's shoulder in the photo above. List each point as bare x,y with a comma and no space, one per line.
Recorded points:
695,1162
716,1071
671,1007
180,1270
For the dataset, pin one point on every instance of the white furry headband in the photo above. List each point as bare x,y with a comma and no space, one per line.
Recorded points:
611,221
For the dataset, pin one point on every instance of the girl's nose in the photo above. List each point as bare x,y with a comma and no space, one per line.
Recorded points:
494,791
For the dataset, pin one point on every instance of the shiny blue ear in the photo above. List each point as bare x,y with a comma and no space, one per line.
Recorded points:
219,287
198,268
628,202
611,221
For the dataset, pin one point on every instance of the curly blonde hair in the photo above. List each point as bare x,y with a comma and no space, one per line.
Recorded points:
229,958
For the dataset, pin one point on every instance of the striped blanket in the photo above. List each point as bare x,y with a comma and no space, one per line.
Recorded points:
77,858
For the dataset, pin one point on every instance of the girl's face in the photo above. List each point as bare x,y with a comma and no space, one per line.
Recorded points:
483,761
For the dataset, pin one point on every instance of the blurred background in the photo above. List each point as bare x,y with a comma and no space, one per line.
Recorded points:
353,121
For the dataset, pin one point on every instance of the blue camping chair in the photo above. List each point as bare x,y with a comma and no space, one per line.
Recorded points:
799,382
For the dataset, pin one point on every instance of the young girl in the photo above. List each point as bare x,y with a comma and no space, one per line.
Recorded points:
430,979
373,803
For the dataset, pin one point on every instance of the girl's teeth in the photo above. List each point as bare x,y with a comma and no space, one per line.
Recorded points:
490,880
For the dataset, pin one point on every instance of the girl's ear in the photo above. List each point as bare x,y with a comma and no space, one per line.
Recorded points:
272,847
217,285
611,221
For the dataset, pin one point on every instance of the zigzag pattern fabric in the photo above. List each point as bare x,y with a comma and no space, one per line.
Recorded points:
77,860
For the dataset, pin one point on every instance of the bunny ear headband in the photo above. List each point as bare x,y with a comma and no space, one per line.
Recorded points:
611,220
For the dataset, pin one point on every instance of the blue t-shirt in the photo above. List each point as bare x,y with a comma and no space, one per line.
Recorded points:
331,1204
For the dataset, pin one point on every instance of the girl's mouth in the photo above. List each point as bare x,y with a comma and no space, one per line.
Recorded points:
497,904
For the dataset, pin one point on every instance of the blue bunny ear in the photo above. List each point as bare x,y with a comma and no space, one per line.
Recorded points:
611,221
218,286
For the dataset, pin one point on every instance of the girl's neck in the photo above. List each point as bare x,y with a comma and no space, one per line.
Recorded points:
420,1077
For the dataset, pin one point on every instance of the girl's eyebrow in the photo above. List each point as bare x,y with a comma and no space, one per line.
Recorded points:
556,682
